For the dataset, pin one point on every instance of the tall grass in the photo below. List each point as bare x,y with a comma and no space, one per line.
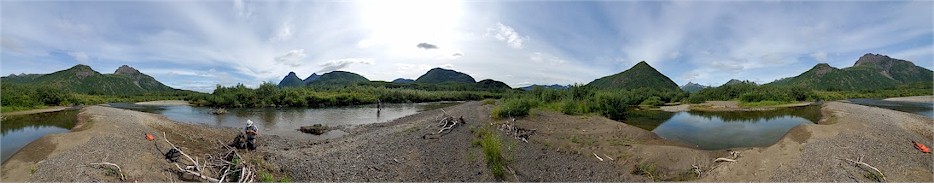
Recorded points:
492,151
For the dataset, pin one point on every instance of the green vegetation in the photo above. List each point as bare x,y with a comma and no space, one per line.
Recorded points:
19,97
871,72
338,78
265,177
80,85
612,103
639,76
291,80
269,95
84,80
646,169
492,150
440,75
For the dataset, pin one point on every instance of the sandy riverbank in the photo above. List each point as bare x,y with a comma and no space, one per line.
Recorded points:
105,134
36,111
164,102
815,152
562,150
926,99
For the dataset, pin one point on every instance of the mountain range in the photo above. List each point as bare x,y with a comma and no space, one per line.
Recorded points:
871,71
691,87
436,76
81,78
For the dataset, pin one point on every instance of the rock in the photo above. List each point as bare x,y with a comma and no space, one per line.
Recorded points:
316,129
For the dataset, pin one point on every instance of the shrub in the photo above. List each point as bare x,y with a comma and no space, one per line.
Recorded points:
513,107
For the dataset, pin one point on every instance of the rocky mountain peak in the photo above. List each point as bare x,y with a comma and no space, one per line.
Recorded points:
127,70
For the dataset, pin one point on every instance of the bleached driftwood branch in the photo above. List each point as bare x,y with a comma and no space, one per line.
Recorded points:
119,171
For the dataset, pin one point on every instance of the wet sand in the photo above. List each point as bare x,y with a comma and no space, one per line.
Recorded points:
36,111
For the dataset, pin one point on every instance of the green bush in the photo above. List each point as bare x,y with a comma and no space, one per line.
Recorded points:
513,107
653,101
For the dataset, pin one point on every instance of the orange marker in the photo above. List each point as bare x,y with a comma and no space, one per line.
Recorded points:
149,137
921,147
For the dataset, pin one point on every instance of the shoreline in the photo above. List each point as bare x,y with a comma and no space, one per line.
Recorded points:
43,110
164,102
922,99
565,148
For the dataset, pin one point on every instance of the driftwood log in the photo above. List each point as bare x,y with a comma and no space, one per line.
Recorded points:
866,167
519,133
446,124
316,129
229,166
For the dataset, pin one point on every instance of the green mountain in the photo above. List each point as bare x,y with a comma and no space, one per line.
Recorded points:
490,84
291,80
312,77
871,71
339,78
440,75
639,76
737,81
692,87
82,79
401,80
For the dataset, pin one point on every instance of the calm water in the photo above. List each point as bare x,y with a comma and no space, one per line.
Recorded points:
723,130
17,131
286,121
924,109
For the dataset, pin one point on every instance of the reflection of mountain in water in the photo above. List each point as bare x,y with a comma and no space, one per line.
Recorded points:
62,119
650,119
811,112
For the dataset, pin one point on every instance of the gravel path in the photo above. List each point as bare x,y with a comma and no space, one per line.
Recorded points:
396,152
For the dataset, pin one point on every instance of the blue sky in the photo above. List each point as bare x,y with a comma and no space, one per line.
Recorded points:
196,45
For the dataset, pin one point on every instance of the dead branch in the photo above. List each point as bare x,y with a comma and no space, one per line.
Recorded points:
598,157
521,134
864,166
446,124
724,160
196,174
119,171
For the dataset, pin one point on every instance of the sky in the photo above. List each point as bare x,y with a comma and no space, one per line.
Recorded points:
196,45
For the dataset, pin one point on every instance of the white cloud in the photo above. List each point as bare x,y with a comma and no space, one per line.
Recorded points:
285,32
80,56
820,56
507,34
293,58
546,58
340,64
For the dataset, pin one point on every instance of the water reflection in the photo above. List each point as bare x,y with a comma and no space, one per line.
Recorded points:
287,120
19,130
722,130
